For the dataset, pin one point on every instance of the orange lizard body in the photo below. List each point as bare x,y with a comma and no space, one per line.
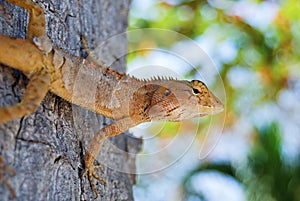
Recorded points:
127,100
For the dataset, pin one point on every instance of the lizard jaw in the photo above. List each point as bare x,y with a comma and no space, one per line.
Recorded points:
218,108
217,105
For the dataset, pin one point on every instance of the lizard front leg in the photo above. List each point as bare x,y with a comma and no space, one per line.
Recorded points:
113,129
40,79
36,90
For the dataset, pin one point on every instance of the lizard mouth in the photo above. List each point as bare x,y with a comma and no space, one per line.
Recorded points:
217,105
218,108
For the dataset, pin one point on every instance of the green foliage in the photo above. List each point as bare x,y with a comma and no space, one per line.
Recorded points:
269,170
223,168
165,129
266,175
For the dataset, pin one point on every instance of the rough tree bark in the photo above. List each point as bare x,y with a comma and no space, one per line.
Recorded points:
47,148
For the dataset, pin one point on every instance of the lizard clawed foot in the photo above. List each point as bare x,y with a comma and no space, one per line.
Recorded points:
90,172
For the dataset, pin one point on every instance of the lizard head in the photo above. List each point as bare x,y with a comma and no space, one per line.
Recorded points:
177,100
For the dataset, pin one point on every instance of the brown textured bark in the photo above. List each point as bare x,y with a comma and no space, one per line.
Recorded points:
47,148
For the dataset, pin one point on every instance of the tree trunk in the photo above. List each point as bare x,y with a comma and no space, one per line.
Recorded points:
47,148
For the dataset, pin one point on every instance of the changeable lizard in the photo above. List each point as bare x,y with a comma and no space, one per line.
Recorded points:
127,100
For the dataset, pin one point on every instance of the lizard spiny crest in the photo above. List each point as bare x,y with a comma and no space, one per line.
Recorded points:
156,78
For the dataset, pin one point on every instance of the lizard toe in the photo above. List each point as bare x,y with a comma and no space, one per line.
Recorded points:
91,173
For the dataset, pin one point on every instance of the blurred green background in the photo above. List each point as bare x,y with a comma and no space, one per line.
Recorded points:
255,46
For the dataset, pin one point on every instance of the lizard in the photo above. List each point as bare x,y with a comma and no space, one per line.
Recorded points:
125,99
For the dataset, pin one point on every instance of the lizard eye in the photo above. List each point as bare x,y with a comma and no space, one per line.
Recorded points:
167,92
196,91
